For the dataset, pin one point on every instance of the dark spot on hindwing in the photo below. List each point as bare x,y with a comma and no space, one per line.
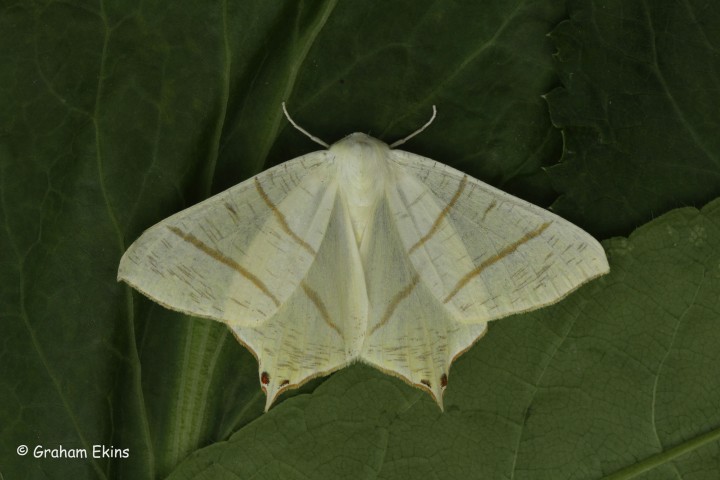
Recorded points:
284,383
426,383
264,378
443,380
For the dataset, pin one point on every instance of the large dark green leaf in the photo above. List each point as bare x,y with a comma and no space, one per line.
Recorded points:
117,114
639,108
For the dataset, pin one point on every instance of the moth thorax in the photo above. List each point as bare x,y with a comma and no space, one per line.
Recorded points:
362,173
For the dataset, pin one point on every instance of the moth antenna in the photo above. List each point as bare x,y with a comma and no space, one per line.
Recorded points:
310,136
401,141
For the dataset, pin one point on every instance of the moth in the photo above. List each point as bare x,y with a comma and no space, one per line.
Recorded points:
360,252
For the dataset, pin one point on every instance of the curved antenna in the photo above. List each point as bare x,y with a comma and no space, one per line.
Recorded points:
311,137
400,142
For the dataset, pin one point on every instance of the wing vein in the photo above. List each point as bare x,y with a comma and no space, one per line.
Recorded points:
494,259
436,224
399,297
225,260
317,301
281,219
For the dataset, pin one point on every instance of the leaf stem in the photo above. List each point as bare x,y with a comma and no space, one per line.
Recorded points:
665,457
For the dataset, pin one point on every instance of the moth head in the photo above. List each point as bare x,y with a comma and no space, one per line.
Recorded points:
359,146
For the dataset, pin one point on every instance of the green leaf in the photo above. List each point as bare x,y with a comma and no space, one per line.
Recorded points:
639,109
118,114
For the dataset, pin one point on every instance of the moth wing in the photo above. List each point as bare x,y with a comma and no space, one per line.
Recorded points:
410,334
239,255
321,326
483,253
